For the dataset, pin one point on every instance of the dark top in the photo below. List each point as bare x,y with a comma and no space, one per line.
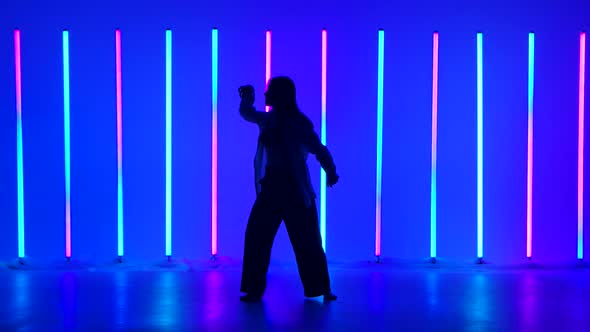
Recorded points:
284,142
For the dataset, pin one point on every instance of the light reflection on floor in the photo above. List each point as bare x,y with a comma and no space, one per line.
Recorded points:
372,298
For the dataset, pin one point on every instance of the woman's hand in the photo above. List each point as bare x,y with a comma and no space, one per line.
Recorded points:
247,95
332,179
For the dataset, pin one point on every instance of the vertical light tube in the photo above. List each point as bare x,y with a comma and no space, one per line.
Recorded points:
66,74
168,143
19,146
480,145
378,214
120,243
214,90
434,145
529,187
268,59
323,136
581,146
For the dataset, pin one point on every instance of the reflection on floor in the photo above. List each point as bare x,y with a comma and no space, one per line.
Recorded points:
384,297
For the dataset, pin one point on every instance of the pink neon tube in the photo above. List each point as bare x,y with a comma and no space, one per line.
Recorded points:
581,146
19,146
119,104
433,203
268,59
529,208
323,135
214,146
120,242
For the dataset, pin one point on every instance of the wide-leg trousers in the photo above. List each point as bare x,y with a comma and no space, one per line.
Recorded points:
278,201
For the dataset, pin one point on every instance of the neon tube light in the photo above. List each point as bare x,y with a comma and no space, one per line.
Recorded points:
268,59
380,62
434,145
529,189
214,89
168,143
323,136
120,238
66,74
480,146
19,146
581,146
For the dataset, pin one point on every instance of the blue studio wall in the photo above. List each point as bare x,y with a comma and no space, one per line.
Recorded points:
351,124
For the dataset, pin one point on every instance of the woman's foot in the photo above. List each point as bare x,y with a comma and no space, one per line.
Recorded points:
250,298
329,297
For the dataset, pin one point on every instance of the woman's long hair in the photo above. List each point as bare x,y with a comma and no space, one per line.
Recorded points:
285,110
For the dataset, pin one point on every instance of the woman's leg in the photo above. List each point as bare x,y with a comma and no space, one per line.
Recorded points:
262,227
304,232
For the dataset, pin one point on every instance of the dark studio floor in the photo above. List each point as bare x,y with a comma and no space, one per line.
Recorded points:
384,297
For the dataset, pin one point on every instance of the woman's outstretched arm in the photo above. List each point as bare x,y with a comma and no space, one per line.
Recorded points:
250,114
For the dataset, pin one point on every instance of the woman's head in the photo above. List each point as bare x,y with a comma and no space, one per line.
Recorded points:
280,93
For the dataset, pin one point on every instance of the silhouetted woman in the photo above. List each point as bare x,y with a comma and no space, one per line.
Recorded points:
284,191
